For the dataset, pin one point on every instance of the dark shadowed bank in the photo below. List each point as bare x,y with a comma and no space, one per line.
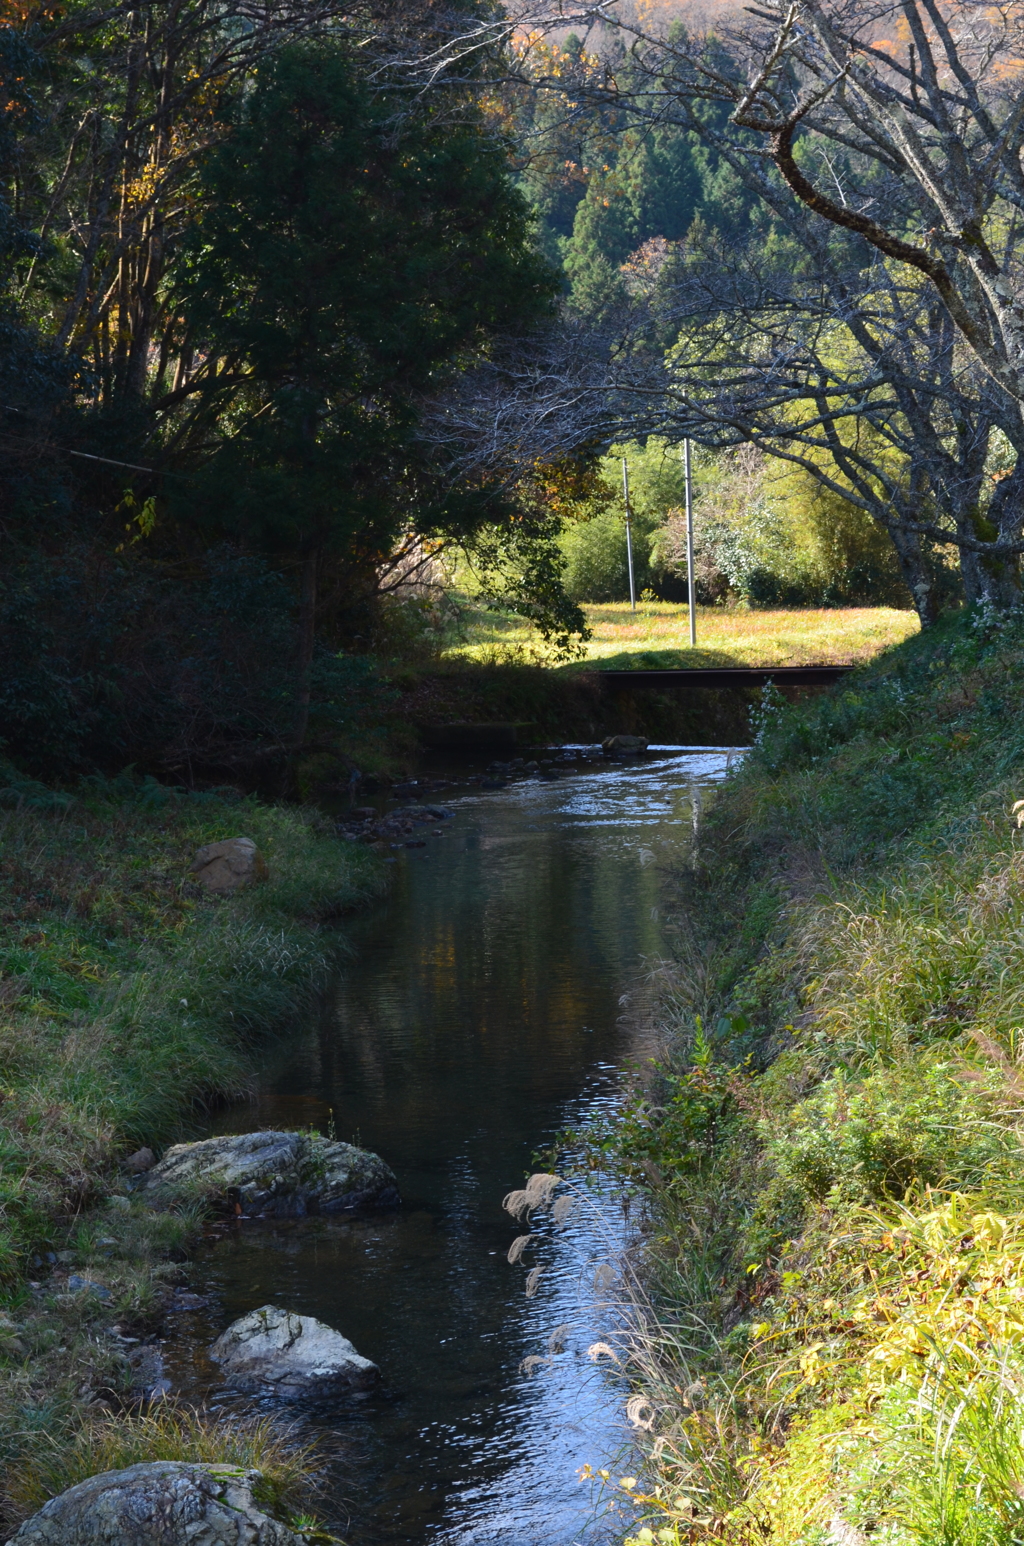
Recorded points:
828,1341
418,706
129,1002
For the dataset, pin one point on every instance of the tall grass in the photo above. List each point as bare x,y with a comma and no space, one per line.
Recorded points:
166,1432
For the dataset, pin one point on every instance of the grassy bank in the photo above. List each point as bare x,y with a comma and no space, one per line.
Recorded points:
829,1329
657,634
129,1000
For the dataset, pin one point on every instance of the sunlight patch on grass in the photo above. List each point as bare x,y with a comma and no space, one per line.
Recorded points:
656,635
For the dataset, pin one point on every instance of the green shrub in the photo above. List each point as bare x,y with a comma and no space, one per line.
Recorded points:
912,1126
107,661
596,565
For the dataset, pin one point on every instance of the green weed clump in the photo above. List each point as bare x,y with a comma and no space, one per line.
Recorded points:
829,1307
169,1432
130,1001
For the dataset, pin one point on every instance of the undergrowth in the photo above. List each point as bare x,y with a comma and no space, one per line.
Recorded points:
130,1001
828,1316
170,1432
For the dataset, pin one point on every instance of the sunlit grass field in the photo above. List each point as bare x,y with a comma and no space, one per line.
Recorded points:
657,635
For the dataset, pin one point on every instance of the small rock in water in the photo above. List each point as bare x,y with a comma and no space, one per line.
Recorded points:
293,1357
159,1503
183,1299
624,745
225,867
149,1375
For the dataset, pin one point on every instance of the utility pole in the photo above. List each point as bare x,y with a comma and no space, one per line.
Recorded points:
691,585
629,533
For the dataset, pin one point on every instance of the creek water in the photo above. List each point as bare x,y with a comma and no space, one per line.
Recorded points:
489,1003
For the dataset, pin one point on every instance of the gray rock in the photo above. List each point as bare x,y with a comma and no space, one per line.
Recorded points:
225,867
292,1357
141,1160
624,745
281,1174
158,1503
79,1285
149,1372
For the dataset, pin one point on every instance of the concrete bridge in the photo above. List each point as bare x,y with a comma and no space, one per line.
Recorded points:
727,676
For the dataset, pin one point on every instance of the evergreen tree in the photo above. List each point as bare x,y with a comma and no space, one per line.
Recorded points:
345,253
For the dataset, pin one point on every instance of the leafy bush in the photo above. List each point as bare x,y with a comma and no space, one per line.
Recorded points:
911,1126
773,537
104,663
596,563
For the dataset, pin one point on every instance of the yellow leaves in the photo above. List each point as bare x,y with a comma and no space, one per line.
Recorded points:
990,1229
964,1301
142,516
811,1366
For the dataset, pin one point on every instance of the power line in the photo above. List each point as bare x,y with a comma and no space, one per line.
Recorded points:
109,461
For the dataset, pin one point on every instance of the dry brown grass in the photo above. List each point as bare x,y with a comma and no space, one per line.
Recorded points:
657,635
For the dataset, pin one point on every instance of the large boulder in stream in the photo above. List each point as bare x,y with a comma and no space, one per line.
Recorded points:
283,1175
159,1503
293,1357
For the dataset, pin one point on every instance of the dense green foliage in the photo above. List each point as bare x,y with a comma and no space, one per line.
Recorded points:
603,188
764,535
336,263
249,288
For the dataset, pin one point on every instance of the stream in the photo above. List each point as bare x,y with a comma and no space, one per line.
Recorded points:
490,1002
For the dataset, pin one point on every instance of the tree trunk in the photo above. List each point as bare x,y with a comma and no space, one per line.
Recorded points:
997,578
306,642
916,573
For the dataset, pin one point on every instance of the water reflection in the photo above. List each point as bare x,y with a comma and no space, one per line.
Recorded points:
480,1014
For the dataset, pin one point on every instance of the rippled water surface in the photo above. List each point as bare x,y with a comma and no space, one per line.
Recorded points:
480,1014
